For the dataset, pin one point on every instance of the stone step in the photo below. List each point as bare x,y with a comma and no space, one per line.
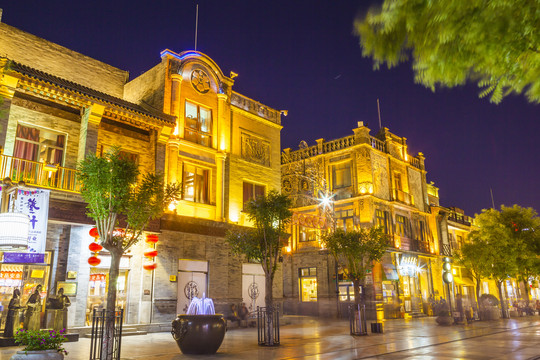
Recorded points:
130,332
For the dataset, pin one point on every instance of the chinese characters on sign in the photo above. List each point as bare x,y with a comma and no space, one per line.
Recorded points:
35,204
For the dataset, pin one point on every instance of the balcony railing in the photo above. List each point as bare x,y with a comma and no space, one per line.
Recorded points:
38,174
403,197
459,218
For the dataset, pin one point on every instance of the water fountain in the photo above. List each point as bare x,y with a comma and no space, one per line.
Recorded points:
200,331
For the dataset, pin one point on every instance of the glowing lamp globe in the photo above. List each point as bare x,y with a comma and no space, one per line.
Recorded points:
150,253
94,261
152,238
93,232
95,247
150,266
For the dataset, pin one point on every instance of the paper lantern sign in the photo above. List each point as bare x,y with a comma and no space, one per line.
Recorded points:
94,260
152,238
150,266
150,253
95,247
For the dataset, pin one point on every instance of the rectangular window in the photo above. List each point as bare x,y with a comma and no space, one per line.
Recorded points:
397,182
39,145
252,191
308,284
345,219
308,234
383,220
403,226
422,233
196,184
198,124
341,175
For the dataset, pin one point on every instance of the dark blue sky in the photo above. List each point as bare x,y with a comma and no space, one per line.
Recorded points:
302,56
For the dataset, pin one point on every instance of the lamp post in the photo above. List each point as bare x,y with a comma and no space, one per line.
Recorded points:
14,226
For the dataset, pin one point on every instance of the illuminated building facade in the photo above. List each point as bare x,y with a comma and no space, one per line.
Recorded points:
181,118
372,181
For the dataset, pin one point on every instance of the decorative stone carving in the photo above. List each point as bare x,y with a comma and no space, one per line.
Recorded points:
380,176
255,150
200,81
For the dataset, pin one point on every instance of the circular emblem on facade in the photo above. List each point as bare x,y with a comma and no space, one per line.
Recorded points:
253,291
200,81
191,290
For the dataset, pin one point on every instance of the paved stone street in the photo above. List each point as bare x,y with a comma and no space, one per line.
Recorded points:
317,339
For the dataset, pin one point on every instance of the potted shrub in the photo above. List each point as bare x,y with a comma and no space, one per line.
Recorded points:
489,309
442,310
40,345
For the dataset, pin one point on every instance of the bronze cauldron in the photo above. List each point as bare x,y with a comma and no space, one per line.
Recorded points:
199,334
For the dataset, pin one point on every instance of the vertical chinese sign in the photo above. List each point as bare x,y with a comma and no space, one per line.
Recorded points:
35,204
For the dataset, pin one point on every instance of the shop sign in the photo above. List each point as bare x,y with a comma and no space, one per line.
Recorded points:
24,258
98,277
407,265
11,275
35,204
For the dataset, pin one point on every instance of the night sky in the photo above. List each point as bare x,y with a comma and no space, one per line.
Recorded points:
302,56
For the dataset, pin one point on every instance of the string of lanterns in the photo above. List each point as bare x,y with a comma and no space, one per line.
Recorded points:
95,248
150,253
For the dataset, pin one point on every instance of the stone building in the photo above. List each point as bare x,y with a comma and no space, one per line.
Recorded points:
181,118
371,181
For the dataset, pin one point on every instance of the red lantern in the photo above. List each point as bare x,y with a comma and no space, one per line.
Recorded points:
150,266
95,247
152,238
150,253
93,232
94,260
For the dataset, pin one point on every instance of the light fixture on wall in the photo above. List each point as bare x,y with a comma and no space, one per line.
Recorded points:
14,226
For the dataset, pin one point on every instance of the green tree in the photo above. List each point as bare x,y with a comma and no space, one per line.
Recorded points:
121,203
356,251
524,225
494,43
270,215
500,251
473,257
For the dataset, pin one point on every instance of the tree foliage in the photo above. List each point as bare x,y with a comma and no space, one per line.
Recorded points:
113,190
504,244
356,251
495,43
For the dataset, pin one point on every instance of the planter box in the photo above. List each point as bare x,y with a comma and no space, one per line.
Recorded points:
38,355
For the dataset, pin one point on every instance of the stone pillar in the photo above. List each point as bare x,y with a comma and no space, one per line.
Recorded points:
78,255
361,134
222,126
172,174
220,185
8,84
320,145
88,133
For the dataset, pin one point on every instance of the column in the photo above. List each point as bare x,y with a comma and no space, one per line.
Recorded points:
220,185
88,133
8,84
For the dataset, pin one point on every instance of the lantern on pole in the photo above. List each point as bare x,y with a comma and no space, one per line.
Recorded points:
94,260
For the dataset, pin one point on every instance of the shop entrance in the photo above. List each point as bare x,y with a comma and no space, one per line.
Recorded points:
99,283
25,277
192,281
253,286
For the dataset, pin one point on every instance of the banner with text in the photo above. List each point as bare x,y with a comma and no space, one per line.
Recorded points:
35,204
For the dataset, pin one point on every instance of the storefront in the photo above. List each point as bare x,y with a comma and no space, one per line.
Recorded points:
23,271
99,283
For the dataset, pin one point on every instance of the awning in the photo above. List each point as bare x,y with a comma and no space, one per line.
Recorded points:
390,272
464,281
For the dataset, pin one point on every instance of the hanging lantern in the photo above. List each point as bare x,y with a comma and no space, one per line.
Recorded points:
14,228
94,232
150,253
94,260
150,266
95,247
152,238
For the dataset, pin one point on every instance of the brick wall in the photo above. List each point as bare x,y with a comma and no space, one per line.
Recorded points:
57,60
